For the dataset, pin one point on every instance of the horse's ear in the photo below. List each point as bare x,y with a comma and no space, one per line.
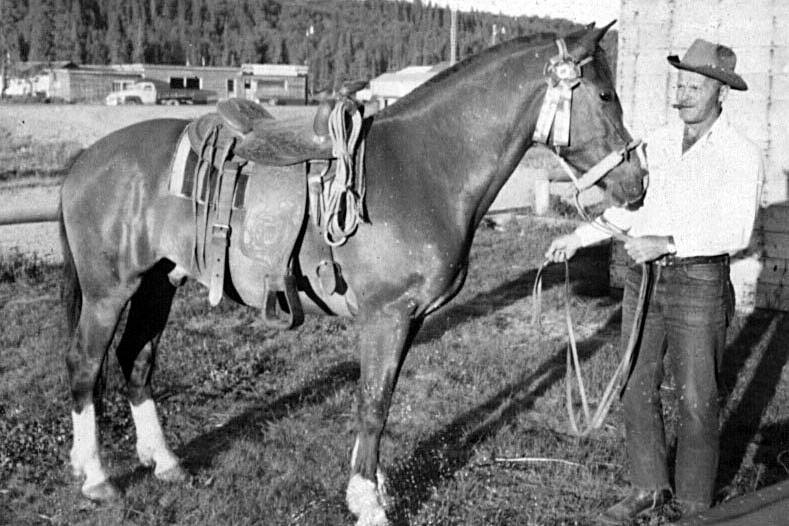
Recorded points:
593,36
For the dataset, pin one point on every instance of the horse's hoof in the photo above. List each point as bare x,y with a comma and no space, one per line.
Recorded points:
175,474
103,492
373,518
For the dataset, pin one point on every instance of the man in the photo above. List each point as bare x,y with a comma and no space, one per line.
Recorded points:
700,206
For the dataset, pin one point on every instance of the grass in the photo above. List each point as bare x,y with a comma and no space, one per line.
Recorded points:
24,157
263,419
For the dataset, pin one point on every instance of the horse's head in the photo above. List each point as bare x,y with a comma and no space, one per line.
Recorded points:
587,124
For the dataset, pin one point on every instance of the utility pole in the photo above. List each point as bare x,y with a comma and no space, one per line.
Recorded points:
453,37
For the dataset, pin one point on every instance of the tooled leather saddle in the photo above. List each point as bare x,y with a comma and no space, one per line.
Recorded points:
242,147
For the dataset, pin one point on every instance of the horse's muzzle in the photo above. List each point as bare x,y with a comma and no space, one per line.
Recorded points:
629,184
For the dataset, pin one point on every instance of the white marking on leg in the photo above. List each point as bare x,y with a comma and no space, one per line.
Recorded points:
354,452
362,499
85,450
152,449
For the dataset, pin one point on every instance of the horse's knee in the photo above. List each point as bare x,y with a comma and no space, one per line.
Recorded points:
83,374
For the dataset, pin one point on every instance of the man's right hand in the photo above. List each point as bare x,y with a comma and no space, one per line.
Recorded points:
563,248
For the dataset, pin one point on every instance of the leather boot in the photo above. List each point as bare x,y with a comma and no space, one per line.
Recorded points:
637,503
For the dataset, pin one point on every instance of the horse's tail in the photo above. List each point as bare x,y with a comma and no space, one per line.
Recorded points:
70,291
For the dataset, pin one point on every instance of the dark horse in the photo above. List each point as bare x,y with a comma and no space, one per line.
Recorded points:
434,163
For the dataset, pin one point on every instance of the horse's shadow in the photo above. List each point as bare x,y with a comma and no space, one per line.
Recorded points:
439,456
200,452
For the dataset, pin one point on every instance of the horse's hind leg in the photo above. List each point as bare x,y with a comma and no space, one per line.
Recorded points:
95,328
136,353
383,343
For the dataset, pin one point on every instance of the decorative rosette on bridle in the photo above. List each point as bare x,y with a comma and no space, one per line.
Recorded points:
563,74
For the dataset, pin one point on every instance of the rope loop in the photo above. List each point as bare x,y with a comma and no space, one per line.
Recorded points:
342,199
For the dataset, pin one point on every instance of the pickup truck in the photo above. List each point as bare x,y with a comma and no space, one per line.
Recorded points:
158,92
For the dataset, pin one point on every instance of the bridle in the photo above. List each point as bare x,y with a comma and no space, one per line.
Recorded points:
563,74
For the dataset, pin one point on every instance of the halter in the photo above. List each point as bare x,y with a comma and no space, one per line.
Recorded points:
563,74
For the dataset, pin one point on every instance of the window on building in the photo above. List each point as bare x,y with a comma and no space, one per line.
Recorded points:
231,86
185,82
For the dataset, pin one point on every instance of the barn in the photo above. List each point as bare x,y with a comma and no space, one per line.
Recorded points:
758,31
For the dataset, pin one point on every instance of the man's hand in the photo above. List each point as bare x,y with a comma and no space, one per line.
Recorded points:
563,248
647,248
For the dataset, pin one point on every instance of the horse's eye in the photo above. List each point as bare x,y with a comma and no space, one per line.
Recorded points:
606,96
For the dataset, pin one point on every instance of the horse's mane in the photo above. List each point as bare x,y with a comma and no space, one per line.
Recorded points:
484,57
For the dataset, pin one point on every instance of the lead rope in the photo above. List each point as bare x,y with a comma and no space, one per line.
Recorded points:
573,366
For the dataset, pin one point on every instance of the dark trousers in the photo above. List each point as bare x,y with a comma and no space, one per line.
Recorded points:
686,318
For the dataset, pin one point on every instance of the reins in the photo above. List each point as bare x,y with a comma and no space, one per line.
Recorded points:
554,115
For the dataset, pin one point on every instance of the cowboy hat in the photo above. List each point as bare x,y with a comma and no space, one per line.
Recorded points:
711,60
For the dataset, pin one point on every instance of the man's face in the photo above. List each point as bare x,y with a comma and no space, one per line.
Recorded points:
697,97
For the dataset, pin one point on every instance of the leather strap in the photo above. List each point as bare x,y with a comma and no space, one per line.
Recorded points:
220,227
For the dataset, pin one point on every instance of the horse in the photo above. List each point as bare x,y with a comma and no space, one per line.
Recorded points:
434,162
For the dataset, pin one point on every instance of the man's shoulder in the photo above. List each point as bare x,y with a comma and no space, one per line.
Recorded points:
735,142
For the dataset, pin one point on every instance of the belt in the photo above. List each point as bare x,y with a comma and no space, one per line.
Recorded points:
673,261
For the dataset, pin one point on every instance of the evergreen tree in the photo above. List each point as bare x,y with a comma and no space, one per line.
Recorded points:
338,39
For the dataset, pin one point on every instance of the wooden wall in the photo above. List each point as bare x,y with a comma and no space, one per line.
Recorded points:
758,31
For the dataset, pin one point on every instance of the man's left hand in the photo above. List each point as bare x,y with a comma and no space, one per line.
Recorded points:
647,248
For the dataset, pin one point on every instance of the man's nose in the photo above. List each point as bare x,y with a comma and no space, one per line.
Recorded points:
684,97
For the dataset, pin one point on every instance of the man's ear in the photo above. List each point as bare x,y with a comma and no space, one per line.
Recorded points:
723,92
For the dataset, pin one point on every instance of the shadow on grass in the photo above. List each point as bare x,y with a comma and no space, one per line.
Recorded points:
742,425
200,452
438,457
588,275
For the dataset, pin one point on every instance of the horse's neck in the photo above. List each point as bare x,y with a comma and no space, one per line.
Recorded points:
461,138
495,137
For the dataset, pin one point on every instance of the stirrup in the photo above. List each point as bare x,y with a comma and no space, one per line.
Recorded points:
273,314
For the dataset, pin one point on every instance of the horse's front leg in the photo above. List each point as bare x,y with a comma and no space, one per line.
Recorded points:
383,342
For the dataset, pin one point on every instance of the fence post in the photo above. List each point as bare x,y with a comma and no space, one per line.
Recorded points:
542,192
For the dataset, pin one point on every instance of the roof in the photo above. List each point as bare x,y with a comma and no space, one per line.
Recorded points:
273,70
395,84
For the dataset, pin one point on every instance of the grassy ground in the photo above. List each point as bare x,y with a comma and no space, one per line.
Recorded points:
263,419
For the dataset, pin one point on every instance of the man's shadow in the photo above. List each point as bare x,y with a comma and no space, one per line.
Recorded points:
763,339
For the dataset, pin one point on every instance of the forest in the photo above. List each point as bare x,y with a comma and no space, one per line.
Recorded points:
338,39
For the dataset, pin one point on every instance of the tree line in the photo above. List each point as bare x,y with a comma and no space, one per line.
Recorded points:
338,39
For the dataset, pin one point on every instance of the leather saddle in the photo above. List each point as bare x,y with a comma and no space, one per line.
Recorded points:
239,132
267,141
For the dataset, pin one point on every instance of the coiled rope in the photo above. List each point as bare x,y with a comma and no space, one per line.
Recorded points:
342,199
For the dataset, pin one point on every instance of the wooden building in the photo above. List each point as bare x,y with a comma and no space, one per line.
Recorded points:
222,80
758,32
274,83
86,83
